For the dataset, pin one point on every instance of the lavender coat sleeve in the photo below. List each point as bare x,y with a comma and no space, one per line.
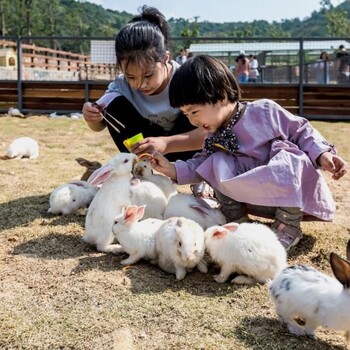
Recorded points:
275,165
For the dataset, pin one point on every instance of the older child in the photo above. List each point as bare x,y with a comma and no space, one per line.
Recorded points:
258,156
139,98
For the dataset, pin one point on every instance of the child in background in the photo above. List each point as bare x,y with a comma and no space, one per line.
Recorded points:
139,98
257,156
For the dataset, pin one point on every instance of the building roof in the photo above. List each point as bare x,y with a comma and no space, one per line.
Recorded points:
256,47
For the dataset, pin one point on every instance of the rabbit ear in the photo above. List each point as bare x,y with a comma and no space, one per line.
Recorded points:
341,269
231,226
100,175
200,209
83,162
130,213
348,250
140,211
219,232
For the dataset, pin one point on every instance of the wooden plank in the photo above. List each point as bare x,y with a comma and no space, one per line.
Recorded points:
328,103
61,93
326,111
52,106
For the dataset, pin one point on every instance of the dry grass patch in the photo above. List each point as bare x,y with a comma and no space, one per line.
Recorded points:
56,292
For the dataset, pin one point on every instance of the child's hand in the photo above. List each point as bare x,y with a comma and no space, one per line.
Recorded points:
332,163
150,145
92,114
162,165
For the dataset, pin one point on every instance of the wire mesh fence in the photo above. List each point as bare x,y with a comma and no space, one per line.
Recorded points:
281,60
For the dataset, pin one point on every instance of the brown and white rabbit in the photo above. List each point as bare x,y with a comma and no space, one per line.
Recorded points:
136,237
180,247
113,195
23,147
250,249
302,292
90,165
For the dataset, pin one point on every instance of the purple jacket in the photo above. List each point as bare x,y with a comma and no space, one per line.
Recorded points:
275,165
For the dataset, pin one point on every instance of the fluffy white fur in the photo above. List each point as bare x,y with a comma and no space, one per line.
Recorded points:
252,250
136,237
180,247
302,292
113,195
196,209
23,147
149,194
68,198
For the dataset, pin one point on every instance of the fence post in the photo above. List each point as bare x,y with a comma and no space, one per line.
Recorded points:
301,77
19,74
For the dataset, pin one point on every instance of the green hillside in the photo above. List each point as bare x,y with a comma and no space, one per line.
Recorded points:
81,18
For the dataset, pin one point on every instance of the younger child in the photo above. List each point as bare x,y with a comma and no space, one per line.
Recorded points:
257,156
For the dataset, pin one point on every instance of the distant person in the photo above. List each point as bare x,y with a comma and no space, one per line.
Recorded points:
183,56
322,66
253,69
257,154
342,60
242,67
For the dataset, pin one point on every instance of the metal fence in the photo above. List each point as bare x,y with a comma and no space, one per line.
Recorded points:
281,60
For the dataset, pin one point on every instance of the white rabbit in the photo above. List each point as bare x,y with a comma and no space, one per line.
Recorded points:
195,208
68,198
250,249
302,292
136,237
143,170
180,247
149,194
23,147
113,195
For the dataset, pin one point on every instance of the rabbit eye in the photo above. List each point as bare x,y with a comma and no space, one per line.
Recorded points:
74,200
180,244
125,161
145,166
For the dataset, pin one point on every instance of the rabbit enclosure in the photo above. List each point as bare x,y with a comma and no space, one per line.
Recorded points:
57,292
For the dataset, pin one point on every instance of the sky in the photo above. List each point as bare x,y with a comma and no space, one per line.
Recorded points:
222,10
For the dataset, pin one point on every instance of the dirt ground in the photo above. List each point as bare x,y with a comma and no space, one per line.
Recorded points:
56,292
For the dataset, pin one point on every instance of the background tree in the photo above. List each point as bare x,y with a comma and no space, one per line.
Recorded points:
338,23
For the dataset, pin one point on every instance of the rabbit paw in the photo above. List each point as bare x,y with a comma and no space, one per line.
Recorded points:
202,267
180,273
220,278
243,280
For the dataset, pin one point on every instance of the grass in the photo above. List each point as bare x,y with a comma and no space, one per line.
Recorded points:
56,292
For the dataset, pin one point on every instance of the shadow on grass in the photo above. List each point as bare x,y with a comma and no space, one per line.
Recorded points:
23,211
259,333
304,246
54,246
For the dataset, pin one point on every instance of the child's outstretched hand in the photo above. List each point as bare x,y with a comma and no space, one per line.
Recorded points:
162,165
332,163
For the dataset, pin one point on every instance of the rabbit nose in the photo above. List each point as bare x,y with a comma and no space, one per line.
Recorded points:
138,171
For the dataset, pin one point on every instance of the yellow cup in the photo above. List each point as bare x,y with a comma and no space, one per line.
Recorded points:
128,143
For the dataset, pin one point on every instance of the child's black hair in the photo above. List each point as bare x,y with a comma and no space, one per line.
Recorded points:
201,80
144,39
